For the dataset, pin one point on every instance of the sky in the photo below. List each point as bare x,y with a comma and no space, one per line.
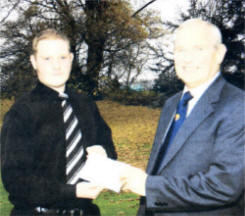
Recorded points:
169,10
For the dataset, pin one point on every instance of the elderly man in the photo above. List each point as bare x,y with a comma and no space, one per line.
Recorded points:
196,166
46,136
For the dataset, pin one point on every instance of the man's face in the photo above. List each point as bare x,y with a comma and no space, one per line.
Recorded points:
195,55
52,62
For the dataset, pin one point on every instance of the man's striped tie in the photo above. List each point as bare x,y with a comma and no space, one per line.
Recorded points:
75,155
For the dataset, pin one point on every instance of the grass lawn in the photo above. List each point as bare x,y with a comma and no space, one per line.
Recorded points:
133,129
5,206
113,204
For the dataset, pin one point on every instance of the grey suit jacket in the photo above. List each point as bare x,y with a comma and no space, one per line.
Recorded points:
203,169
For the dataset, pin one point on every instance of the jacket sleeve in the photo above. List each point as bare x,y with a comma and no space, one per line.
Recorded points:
19,174
103,133
222,184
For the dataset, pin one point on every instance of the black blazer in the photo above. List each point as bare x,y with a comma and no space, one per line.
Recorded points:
33,148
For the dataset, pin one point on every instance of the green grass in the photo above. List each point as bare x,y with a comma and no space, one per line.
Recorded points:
113,204
5,205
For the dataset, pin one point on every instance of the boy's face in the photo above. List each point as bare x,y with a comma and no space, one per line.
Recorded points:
53,62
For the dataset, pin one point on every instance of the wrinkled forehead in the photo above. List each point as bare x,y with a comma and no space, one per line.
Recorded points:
197,32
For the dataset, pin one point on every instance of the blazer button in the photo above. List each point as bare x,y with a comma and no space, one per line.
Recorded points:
161,203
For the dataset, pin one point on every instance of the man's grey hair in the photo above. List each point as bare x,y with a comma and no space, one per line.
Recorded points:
214,29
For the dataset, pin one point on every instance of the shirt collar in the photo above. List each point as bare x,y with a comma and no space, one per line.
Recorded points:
46,92
199,90
63,95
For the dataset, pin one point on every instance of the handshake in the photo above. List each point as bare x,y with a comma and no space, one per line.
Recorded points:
102,172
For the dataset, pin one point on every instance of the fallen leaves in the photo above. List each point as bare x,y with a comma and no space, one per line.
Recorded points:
133,130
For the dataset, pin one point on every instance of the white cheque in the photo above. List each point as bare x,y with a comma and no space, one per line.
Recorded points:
103,171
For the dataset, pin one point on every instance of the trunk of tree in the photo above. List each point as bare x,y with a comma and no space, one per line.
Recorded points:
95,41
94,64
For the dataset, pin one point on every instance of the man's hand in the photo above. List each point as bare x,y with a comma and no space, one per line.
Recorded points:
134,180
96,149
87,190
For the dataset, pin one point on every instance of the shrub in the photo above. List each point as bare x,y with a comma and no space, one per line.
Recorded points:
132,97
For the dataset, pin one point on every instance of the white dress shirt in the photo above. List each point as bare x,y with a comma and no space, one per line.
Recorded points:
197,93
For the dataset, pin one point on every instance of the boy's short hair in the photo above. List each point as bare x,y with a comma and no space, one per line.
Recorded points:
48,34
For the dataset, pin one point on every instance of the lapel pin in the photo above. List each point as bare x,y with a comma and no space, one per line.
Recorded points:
177,117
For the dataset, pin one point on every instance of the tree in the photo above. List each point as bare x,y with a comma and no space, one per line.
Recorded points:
98,31
229,17
119,34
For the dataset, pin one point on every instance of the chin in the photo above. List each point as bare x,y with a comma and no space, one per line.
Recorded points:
184,78
55,84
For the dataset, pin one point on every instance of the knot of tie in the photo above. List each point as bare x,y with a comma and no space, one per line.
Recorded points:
63,96
185,99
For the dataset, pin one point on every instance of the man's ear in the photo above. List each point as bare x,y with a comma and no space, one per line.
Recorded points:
33,61
221,53
71,56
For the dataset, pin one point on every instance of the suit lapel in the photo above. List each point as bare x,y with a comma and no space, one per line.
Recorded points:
200,112
164,124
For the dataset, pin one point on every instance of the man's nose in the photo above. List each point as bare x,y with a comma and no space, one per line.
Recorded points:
185,56
187,60
56,64
188,57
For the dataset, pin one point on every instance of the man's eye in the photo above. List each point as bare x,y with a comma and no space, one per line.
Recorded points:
46,58
63,57
180,50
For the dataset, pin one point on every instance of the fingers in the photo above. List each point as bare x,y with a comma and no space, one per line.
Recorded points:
96,149
124,177
134,180
87,190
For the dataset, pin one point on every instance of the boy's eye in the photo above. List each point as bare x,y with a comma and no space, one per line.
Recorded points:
200,49
47,58
63,57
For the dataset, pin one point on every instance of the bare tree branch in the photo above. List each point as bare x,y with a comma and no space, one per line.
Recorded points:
142,8
10,11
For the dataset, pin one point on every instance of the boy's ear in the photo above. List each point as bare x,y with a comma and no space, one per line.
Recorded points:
33,61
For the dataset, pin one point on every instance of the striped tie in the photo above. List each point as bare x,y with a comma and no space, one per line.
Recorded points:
75,156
